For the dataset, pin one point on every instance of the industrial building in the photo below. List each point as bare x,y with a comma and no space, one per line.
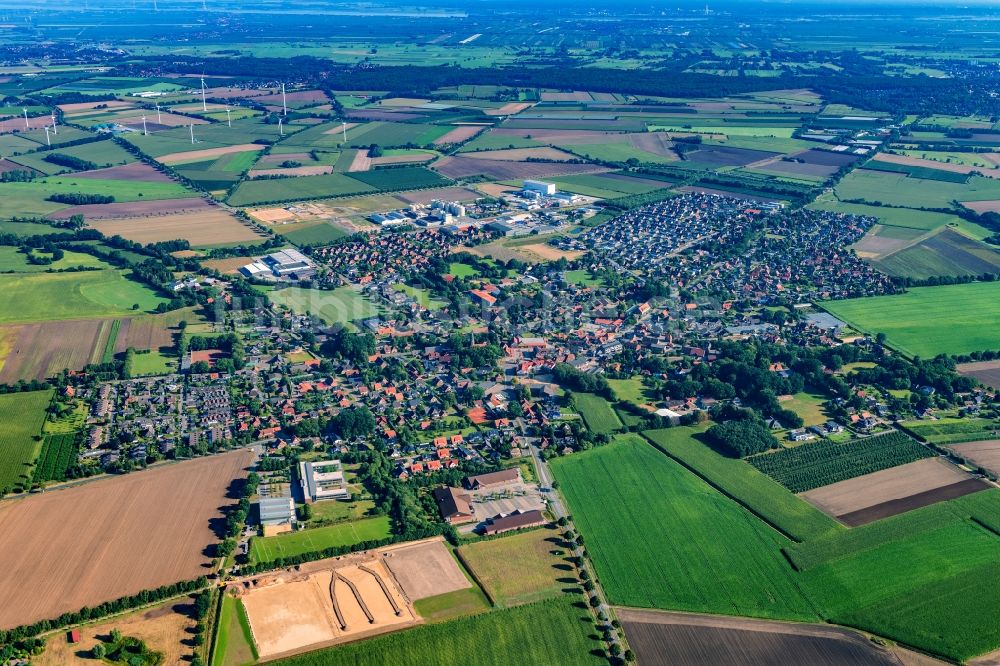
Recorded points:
284,264
323,480
548,189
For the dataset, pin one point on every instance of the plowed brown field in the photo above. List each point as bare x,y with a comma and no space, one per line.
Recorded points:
111,538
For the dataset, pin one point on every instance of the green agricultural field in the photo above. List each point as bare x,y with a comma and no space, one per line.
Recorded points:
615,152
489,141
822,462
661,537
954,431
12,260
927,321
253,192
339,306
58,453
101,153
927,578
739,480
234,644
390,135
22,416
898,189
24,199
451,605
597,413
404,178
315,234
153,363
520,568
550,632
57,296
268,549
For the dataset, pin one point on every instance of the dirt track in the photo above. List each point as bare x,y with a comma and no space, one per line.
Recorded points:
112,537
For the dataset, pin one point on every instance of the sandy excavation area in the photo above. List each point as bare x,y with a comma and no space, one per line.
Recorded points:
292,611
346,598
112,537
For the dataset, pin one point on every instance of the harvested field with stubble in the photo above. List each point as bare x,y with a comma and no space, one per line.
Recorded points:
459,134
137,171
127,209
523,154
985,453
679,639
889,492
202,229
112,537
207,153
40,350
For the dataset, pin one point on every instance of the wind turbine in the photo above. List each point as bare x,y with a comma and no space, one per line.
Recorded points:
26,125
48,142
144,132
281,130
284,105
344,122
159,119
191,127
204,106
55,127
229,118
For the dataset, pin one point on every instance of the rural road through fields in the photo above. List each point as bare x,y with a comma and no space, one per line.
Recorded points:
558,510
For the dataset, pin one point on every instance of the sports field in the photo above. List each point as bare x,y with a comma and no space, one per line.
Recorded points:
21,419
927,321
660,537
266,549
551,632
57,296
338,306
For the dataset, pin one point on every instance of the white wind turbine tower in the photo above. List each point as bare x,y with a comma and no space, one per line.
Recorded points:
284,105
204,106
191,127
229,118
159,118
26,125
344,127
281,130
55,126
144,132
48,141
